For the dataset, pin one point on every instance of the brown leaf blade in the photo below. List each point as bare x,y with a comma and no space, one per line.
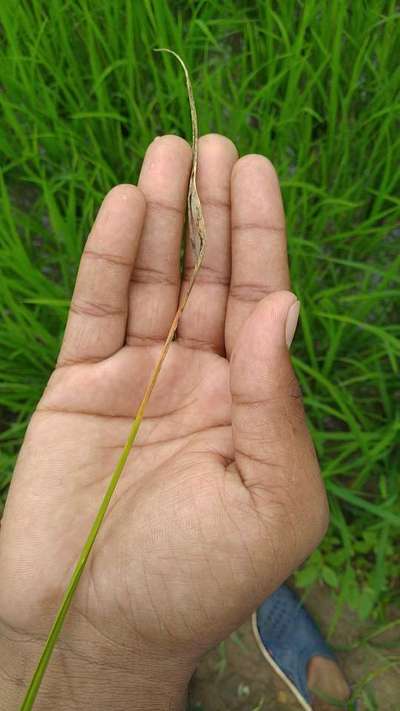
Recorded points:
197,228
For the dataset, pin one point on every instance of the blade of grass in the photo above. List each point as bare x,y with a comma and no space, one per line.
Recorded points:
352,498
198,241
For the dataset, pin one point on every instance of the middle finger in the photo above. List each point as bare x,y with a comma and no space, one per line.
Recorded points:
202,323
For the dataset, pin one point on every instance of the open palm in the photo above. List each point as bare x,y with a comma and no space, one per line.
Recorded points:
221,496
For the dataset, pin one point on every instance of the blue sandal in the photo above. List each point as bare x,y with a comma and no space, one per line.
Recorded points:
288,638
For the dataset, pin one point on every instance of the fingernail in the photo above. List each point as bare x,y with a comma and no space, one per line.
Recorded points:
291,322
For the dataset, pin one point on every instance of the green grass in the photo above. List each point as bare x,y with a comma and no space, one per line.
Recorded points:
312,85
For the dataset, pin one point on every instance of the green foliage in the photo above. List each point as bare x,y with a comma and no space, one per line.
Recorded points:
314,86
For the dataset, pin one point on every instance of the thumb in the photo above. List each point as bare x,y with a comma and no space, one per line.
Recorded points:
273,449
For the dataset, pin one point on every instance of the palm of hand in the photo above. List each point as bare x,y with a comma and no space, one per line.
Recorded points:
193,539
175,518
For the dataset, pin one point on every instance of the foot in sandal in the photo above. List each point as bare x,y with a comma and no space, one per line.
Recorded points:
293,645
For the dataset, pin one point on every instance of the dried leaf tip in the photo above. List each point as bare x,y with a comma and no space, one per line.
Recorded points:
197,228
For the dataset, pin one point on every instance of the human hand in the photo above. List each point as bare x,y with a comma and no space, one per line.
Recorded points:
221,497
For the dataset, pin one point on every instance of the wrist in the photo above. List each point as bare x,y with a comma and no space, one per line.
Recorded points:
92,673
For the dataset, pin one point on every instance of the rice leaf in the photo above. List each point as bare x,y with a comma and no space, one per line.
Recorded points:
197,230
197,233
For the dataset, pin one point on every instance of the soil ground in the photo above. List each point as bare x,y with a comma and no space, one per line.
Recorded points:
236,677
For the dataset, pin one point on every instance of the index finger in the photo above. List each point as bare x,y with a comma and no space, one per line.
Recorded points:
259,255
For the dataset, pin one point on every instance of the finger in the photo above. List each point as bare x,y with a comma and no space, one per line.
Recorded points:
273,449
202,324
259,257
98,313
155,284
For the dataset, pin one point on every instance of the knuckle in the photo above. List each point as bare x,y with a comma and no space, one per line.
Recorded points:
95,309
249,293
